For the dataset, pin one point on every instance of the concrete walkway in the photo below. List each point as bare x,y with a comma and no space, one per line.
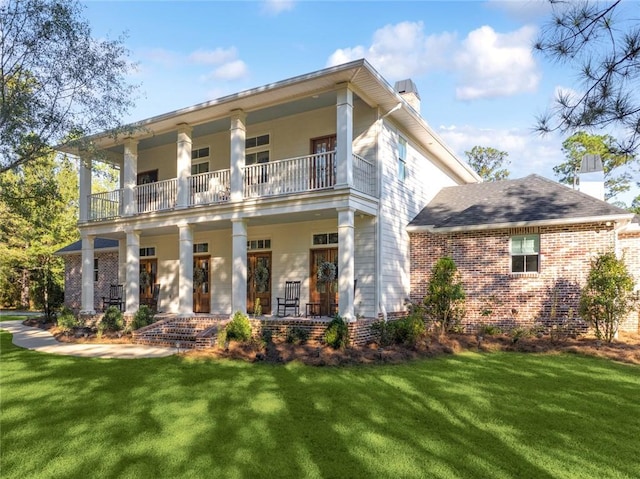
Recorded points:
42,341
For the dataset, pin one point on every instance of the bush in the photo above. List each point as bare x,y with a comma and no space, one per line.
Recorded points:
337,333
142,318
239,328
408,330
297,335
66,320
607,296
383,331
111,321
444,302
519,333
488,330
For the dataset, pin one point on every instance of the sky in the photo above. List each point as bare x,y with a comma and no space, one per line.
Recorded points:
480,82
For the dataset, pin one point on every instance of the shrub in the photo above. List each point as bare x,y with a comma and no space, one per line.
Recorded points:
383,332
66,320
239,328
488,330
142,318
607,296
337,333
408,330
519,333
444,302
111,321
297,335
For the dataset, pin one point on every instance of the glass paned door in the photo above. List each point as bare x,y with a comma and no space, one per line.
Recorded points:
324,290
201,284
259,281
148,277
323,168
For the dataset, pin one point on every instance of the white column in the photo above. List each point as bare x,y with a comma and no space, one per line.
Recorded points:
185,271
184,164
346,269
130,175
238,136
132,283
86,298
239,266
122,261
85,187
344,137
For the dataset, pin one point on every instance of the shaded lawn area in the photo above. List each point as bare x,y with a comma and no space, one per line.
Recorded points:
498,415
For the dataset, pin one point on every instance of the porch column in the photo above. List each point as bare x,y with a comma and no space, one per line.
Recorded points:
132,283
184,164
238,135
185,270
122,261
344,136
239,266
86,296
85,187
130,175
346,270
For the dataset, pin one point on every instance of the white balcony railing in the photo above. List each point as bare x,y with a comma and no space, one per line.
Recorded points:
293,175
209,188
157,196
105,205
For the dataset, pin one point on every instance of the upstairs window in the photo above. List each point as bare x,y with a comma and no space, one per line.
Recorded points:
200,153
525,253
197,168
402,159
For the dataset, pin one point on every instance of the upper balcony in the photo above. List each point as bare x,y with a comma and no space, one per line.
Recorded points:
282,177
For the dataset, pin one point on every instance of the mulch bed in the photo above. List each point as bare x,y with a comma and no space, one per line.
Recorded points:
626,349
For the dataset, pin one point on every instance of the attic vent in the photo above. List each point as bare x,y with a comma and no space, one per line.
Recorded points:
529,230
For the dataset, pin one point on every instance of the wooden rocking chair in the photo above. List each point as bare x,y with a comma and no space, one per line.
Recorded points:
291,299
116,297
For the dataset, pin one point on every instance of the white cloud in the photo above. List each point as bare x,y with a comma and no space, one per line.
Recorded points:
276,7
491,64
528,152
400,51
213,57
524,11
166,58
485,64
230,71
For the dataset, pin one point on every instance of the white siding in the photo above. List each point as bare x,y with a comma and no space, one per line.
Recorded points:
400,202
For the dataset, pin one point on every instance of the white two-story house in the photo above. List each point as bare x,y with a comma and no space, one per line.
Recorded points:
301,180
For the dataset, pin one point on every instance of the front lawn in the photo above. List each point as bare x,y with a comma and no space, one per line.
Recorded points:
491,415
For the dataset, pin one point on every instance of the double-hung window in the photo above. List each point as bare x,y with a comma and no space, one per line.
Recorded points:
525,253
257,152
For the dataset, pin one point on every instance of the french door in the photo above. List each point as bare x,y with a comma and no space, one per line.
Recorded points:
201,284
148,277
325,293
259,281
323,167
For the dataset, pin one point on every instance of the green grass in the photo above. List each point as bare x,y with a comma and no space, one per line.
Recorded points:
500,415
12,317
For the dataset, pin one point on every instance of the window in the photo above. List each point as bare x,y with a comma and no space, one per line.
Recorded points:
525,253
148,251
254,154
200,248
325,238
197,168
200,153
95,269
259,244
256,141
402,159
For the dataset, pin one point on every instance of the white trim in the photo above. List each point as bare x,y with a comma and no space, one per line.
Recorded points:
519,224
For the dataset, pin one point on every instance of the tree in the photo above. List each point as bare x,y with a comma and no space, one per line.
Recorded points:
602,42
488,162
444,301
607,296
57,83
39,205
614,161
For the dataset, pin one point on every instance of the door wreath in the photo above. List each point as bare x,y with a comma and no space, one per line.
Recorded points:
327,272
261,277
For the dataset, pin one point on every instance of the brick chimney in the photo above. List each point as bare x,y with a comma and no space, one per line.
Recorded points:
409,92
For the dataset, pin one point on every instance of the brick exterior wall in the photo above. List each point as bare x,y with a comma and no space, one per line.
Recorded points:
107,275
484,261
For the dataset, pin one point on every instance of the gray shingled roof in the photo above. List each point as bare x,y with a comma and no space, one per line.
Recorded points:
529,200
99,243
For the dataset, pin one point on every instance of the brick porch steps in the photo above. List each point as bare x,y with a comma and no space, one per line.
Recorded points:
190,333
